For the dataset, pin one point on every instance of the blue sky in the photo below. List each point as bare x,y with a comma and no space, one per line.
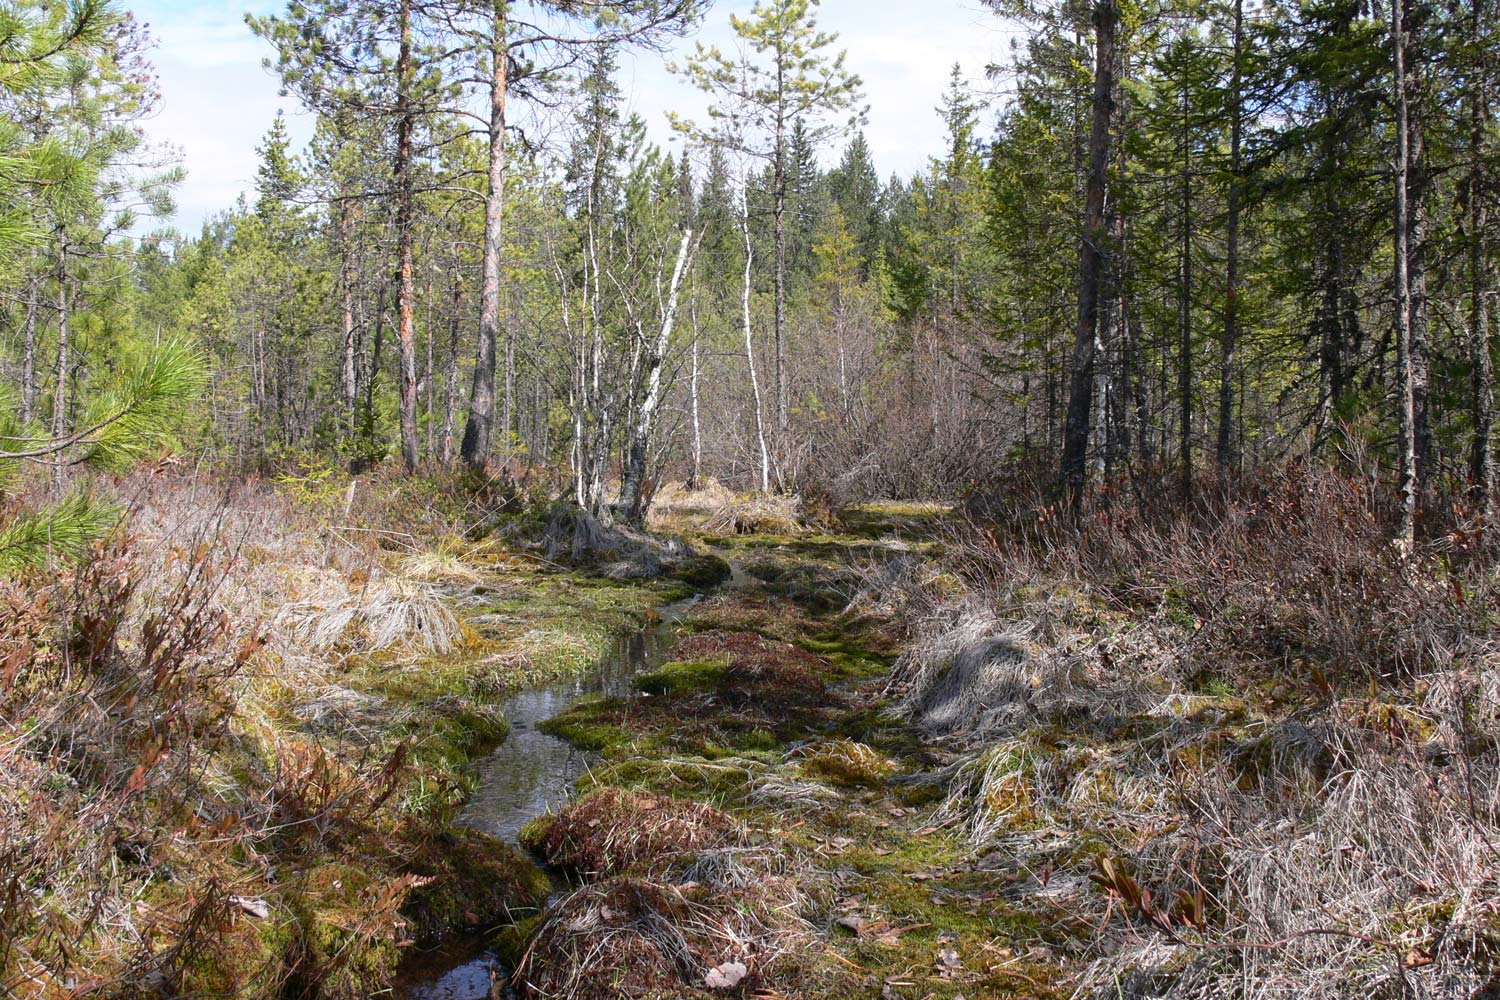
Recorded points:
218,101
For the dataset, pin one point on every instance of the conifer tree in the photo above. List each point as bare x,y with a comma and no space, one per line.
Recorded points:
784,78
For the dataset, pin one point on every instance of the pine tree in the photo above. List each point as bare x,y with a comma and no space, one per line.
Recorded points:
73,85
785,80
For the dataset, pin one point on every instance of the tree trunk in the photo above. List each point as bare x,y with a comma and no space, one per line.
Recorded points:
1482,457
1185,319
60,400
1074,467
632,486
28,351
1224,453
783,407
450,376
350,379
406,278
1406,446
480,426
760,429
1419,186
507,411
373,376
429,376
696,475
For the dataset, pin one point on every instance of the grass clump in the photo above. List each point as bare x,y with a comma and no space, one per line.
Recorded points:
845,762
594,724
678,901
611,831
682,676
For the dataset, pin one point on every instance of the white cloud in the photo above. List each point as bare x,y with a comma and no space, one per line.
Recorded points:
217,100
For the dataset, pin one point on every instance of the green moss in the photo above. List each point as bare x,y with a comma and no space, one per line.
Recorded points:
680,676
510,942
757,739
845,762
589,725
702,572
533,834
720,780
476,879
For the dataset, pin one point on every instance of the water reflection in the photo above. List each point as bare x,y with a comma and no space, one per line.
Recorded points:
528,774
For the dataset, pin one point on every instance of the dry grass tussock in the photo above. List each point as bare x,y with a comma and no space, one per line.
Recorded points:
322,587
397,613
781,514
613,831
189,802
690,905
717,510
1254,754
675,505
621,552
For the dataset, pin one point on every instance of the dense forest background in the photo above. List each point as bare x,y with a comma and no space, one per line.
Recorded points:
428,281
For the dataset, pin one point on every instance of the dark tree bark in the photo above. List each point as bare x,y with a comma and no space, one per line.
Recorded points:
406,278
1482,456
1225,457
1074,466
1406,446
373,375
1185,317
479,430
1418,187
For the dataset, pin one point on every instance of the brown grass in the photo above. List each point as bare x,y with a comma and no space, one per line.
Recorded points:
191,799
673,890
1251,746
612,831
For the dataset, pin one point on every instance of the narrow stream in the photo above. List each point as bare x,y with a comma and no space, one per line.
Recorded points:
528,774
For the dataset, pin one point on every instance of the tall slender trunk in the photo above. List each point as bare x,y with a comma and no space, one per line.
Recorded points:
633,478
373,375
507,411
783,407
760,429
480,426
1482,457
600,409
1074,466
430,375
350,380
28,350
1224,453
1185,318
1406,446
406,278
697,473
450,376
60,396
1419,186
